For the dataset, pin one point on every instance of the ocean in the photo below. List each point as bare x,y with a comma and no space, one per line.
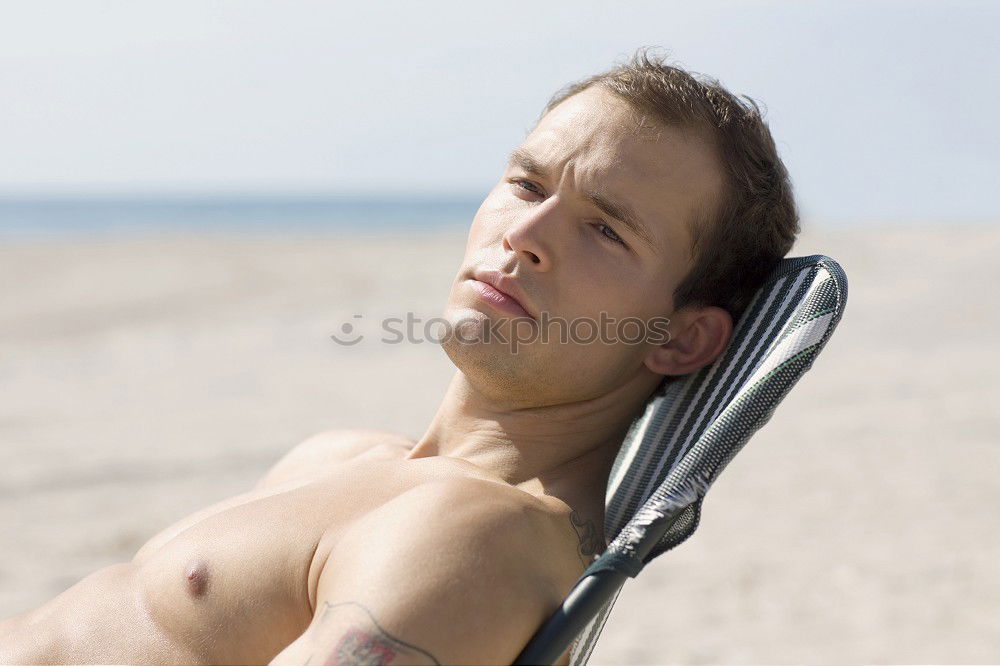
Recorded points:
31,217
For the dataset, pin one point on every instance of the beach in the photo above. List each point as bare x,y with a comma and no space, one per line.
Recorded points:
146,376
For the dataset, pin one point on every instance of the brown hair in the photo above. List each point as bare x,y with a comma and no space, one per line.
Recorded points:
755,223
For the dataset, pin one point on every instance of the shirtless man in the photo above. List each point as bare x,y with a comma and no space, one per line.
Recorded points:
641,193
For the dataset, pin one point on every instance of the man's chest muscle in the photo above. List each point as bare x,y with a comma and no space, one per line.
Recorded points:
235,581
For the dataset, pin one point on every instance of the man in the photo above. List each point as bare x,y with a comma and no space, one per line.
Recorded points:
643,194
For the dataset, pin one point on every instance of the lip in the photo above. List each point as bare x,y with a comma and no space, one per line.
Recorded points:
501,291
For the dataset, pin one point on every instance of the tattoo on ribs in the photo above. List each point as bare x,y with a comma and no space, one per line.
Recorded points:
586,532
364,642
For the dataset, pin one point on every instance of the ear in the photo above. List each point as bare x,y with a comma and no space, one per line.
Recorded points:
697,336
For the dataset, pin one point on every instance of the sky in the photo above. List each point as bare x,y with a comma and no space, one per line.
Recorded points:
882,111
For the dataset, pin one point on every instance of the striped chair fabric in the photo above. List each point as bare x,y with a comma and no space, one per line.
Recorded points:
694,425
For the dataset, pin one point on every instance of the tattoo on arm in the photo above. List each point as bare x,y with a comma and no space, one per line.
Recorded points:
363,642
590,542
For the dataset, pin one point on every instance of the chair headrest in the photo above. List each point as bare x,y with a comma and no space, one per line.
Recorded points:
694,426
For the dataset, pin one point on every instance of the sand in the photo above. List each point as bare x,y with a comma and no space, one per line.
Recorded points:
142,378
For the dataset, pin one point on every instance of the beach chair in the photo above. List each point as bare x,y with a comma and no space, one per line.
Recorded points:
690,430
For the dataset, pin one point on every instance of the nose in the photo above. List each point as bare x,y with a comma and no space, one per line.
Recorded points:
532,235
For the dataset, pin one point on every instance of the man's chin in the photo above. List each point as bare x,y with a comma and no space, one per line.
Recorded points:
489,333
472,338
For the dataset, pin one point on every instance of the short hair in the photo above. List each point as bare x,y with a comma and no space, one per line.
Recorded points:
754,225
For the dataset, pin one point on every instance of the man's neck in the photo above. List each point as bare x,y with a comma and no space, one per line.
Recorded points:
552,449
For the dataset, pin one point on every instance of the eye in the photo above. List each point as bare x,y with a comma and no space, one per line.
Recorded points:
526,185
609,233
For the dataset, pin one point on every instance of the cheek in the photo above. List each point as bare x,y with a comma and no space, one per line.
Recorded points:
607,283
617,298
488,223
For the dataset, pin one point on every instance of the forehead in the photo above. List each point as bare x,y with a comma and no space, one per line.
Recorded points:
593,119
669,175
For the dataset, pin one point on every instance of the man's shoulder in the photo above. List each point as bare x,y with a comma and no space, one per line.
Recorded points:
334,446
460,566
479,525
476,503
354,441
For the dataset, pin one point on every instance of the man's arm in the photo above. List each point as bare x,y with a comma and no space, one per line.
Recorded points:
454,572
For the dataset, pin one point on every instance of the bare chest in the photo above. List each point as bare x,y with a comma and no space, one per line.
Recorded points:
236,582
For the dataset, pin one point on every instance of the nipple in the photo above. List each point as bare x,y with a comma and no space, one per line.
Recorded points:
196,577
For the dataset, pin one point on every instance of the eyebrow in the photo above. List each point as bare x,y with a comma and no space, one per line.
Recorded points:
617,209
